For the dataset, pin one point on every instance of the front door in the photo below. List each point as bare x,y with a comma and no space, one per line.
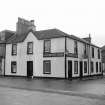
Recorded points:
69,69
29,68
81,69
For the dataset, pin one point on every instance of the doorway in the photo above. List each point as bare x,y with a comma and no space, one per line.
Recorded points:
81,69
29,68
69,69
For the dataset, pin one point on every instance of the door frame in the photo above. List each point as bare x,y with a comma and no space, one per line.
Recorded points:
81,68
70,68
29,69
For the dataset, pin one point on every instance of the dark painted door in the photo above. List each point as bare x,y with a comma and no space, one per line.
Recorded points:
81,69
29,68
69,69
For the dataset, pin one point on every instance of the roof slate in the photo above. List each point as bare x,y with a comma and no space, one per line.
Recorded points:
8,35
103,48
45,34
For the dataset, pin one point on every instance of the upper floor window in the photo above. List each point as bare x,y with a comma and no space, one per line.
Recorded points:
75,47
85,49
30,48
47,45
14,49
92,52
98,53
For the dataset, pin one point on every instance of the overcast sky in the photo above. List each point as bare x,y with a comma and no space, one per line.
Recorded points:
77,17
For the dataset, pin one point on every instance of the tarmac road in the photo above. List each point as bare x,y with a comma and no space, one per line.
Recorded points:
96,86
10,96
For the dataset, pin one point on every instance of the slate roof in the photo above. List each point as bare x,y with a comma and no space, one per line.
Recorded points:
41,35
8,34
45,34
103,48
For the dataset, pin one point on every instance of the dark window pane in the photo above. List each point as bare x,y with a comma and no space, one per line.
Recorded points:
47,67
98,53
92,67
100,67
75,67
85,67
14,49
47,45
13,67
30,47
92,52
96,66
75,47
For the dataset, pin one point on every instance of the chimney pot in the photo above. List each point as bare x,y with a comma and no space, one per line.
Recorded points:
32,22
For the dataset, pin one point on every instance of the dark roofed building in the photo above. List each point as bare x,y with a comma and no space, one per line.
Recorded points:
4,36
47,53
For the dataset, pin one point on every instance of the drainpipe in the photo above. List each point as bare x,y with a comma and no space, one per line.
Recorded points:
4,57
65,59
89,60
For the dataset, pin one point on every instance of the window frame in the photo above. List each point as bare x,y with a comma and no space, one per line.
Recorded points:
92,52
13,51
28,52
92,67
75,68
49,49
85,49
45,62
99,54
100,66
85,62
12,71
75,47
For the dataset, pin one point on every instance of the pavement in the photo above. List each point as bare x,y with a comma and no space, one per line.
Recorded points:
52,91
95,86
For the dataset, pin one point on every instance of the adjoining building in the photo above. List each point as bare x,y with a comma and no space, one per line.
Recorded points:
50,53
103,58
4,36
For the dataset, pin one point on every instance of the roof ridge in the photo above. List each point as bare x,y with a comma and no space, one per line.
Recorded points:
47,29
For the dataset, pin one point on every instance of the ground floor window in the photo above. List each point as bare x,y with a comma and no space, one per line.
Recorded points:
96,67
13,67
85,67
92,67
75,67
47,67
100,66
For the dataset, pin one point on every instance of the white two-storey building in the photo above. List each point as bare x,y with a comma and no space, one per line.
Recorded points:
50,53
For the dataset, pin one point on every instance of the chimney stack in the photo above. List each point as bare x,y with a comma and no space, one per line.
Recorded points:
23,26
88,38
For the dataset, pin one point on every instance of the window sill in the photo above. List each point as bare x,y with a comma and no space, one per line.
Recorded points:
13,72
47,73
13,54
75,73
29,53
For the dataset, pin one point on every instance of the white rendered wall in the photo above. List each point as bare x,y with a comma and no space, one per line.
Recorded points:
57,63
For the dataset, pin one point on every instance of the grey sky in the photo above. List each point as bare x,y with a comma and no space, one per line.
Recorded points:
78,17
